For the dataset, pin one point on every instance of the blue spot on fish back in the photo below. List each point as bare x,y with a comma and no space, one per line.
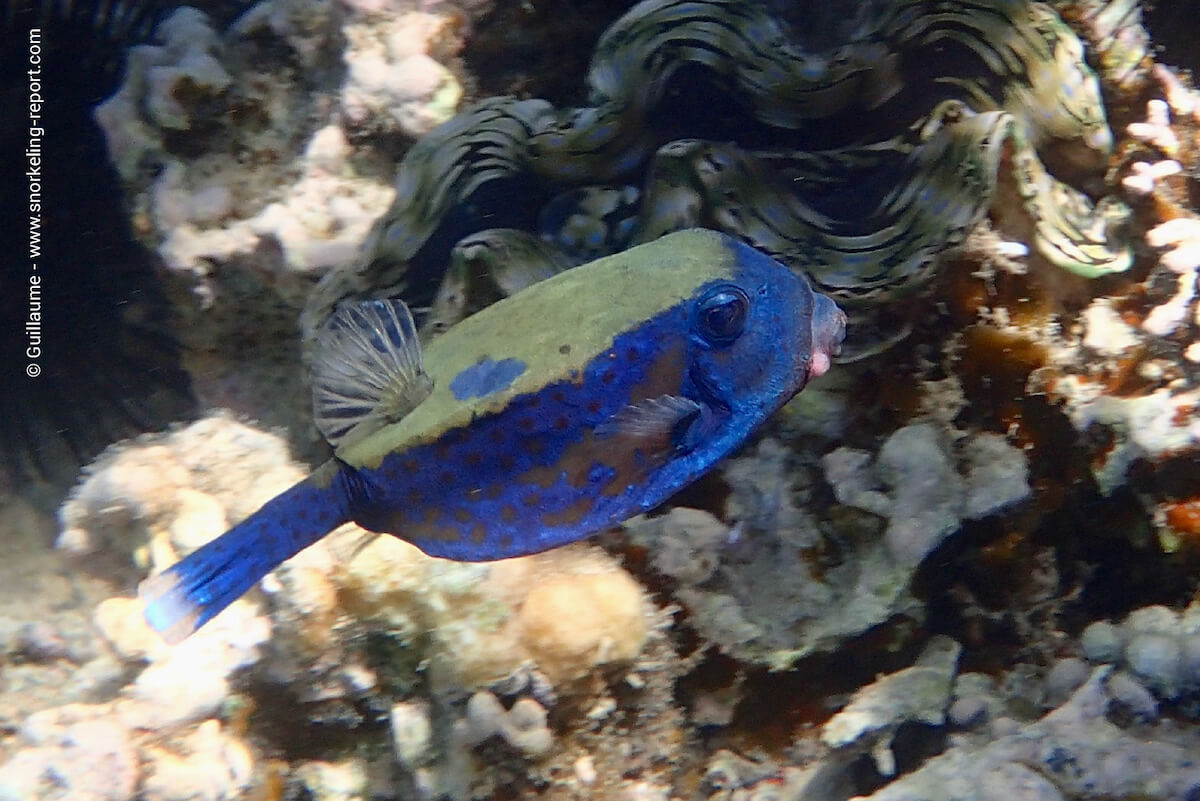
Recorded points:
485,377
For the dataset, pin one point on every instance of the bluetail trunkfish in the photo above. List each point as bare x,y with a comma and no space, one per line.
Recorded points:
569,407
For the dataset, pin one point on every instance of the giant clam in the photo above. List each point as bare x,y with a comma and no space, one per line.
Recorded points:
857,164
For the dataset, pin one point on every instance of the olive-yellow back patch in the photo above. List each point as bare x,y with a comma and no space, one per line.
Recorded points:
546,333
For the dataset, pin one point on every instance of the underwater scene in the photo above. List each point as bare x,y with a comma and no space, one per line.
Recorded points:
675,400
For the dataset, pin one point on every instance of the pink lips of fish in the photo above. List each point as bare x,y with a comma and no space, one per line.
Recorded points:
828,331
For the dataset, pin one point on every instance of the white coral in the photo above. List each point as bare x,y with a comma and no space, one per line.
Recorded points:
1145,176
1156,130
1181,239
1180,98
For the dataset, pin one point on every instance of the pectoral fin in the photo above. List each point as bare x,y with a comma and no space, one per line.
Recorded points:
367,370
667,425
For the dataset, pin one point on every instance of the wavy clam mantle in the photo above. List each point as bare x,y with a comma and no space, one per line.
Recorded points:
857,164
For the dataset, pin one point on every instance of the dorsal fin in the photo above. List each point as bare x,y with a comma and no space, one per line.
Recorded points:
367,370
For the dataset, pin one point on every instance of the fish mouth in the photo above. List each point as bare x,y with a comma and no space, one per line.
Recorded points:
828,333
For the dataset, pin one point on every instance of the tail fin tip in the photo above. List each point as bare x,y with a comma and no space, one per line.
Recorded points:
168,609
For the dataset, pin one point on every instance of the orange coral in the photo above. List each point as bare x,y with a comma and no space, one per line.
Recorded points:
1184,517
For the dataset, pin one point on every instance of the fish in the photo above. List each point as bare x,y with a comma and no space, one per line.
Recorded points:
557,412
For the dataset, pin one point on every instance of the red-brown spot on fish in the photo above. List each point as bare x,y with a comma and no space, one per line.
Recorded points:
571,516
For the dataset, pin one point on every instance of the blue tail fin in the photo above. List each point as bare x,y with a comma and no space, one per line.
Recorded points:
187,595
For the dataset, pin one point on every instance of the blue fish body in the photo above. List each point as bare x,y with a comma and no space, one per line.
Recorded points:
583,400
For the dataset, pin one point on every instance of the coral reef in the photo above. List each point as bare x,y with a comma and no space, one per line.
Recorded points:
1158,646
776,584
1073,752
1100,736
918,694
350,620
316,210
258,156
121,715
564,611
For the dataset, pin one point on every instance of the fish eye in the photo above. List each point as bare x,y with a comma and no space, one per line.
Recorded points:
721,314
